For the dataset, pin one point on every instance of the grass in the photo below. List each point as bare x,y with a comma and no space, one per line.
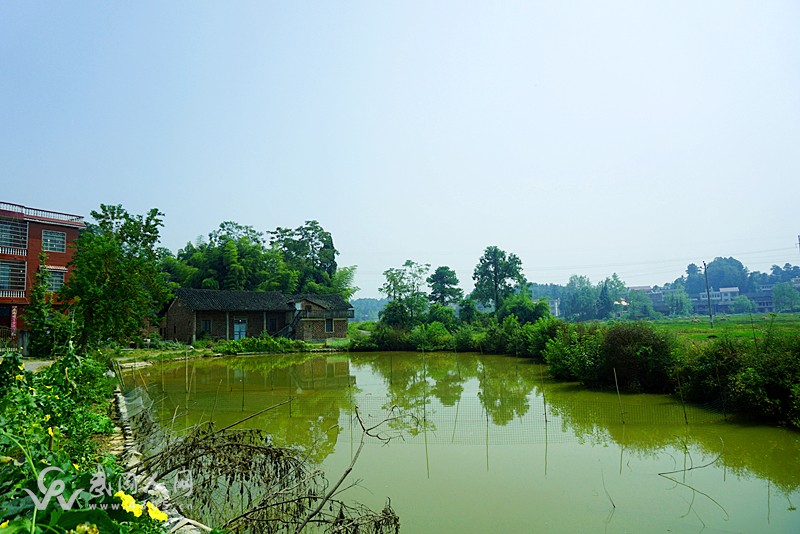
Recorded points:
698,328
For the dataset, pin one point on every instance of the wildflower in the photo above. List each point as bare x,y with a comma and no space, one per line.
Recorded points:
46,417
19,377
49,387
50,431
4,524
76,466
155,513
129,503
56,397
22,367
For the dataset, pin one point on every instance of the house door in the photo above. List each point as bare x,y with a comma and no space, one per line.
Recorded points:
239,328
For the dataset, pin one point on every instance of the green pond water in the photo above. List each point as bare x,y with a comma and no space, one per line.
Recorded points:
491,444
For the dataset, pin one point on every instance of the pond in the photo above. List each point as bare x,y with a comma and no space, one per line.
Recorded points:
491,444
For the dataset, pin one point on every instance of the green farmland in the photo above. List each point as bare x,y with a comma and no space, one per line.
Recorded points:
736,326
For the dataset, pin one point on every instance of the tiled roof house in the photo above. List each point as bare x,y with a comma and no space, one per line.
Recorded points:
217,314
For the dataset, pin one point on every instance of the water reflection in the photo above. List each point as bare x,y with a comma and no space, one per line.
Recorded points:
462,400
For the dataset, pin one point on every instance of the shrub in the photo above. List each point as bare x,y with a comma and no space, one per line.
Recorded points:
641,354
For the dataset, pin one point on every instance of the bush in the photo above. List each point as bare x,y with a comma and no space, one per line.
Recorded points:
431,337
263,344
463,339
641,354
574,353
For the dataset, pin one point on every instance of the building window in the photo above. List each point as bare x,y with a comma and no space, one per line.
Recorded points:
13,233
12,275
55,279
205,326
54,241
328,325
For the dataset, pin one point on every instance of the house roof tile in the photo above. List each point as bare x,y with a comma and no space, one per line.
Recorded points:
213,299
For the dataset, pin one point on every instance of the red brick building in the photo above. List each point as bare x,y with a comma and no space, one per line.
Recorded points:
24,234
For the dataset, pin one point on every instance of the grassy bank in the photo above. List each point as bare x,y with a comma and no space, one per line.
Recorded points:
51,427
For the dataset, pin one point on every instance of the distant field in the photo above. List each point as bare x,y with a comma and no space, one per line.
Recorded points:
698,328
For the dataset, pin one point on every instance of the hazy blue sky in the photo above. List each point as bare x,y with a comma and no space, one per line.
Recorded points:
585,137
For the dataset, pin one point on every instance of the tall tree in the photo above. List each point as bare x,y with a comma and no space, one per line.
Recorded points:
495,276
579,299
309,250
785,297
404,287
678,302
444,286
116,287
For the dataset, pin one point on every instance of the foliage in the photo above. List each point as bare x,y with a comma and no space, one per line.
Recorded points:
495,275
640,306
678,302
47,422
741,304
444,286
49,329
634,355
433,336
404,287
442,314
579,299
237,257
523,308
116,287
309,250
785,297
261,344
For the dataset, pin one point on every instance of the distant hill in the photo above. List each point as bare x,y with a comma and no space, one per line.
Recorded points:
367,309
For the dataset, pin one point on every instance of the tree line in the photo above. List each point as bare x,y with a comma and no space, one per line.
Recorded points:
121,280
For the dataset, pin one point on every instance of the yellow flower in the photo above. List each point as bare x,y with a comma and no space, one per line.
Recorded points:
155,513
19,377
129,503
22,367
46,417
56,397
4,524
75,466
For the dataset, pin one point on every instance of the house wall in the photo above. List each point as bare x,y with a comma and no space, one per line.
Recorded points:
182,325
178,323
314,329
13,305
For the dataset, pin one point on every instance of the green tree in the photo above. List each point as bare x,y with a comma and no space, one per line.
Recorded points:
741,304
309,250
116,287
523,308
678,302
444,286
727,272
49,329
785,297
404,286
640,306
495,275
579,299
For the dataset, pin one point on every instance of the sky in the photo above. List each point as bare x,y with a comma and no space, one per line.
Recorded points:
585,137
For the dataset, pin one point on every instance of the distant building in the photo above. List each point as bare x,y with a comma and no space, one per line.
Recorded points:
24,234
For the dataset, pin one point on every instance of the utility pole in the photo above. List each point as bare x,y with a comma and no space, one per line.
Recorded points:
708,294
